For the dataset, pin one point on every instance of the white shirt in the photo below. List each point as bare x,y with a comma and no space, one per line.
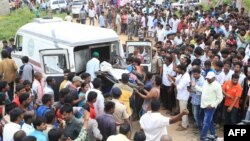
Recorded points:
219,77
211,94
160,35
201,45
166,32
118,19
178,40
143,21
249,100
91,13
228,76
92,66
27,128
154,125
241,79
150,22
9,130
167,70
99,104
49,90
175,25
68,18
158,2
182,82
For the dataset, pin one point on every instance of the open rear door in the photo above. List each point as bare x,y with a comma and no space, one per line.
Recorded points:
53,63
143,49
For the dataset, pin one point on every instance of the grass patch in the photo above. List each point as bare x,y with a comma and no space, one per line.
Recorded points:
207,7
247,3
9,24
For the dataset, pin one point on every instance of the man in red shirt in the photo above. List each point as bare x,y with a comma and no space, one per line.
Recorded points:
232,91
181,25
20,89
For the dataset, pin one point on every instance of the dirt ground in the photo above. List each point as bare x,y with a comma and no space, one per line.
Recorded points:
189,135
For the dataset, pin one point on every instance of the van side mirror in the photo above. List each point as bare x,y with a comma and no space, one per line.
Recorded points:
20,48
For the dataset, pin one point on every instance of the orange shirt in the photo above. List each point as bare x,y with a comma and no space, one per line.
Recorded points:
233,91
16,100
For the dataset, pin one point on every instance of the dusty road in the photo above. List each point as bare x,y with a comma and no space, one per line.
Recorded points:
189,135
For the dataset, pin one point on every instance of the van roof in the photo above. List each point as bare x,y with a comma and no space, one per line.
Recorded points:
72,34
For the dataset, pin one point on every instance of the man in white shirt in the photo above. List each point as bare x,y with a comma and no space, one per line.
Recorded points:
150,25
211,97
124,135
160,33
48,88
167,90
178,39
154,124
182,82
99,104
248,109
237,70
16,116
92,16
227,72
68,18
118,21
174,23
167,31
27,125
93,65
218,72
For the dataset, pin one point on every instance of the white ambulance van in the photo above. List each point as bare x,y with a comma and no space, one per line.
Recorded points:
54,45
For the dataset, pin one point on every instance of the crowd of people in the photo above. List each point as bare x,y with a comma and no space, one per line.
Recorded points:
200,61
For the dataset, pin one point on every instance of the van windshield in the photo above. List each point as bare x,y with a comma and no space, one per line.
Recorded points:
107,51
77,3
59,2
189,1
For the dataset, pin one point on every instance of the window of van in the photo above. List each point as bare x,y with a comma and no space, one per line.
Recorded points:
55,64
82,54
189,1
19,42
61,2
55,2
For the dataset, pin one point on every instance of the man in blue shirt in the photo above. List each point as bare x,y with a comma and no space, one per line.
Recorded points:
196,96
106,122
47,103
40,125
102,20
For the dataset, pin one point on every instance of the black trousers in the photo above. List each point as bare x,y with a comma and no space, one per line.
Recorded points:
11,91
168,97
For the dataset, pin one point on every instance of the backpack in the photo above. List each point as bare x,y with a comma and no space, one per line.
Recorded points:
42,110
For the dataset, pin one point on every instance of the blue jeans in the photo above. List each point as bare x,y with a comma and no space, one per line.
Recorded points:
248,116
197,115
208,123
231,117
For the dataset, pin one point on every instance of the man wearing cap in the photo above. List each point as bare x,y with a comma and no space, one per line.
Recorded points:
76,83
93,65
120,115
211,97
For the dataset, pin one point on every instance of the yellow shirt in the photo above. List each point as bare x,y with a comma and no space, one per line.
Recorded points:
125,97
9,70
118,137
62,85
